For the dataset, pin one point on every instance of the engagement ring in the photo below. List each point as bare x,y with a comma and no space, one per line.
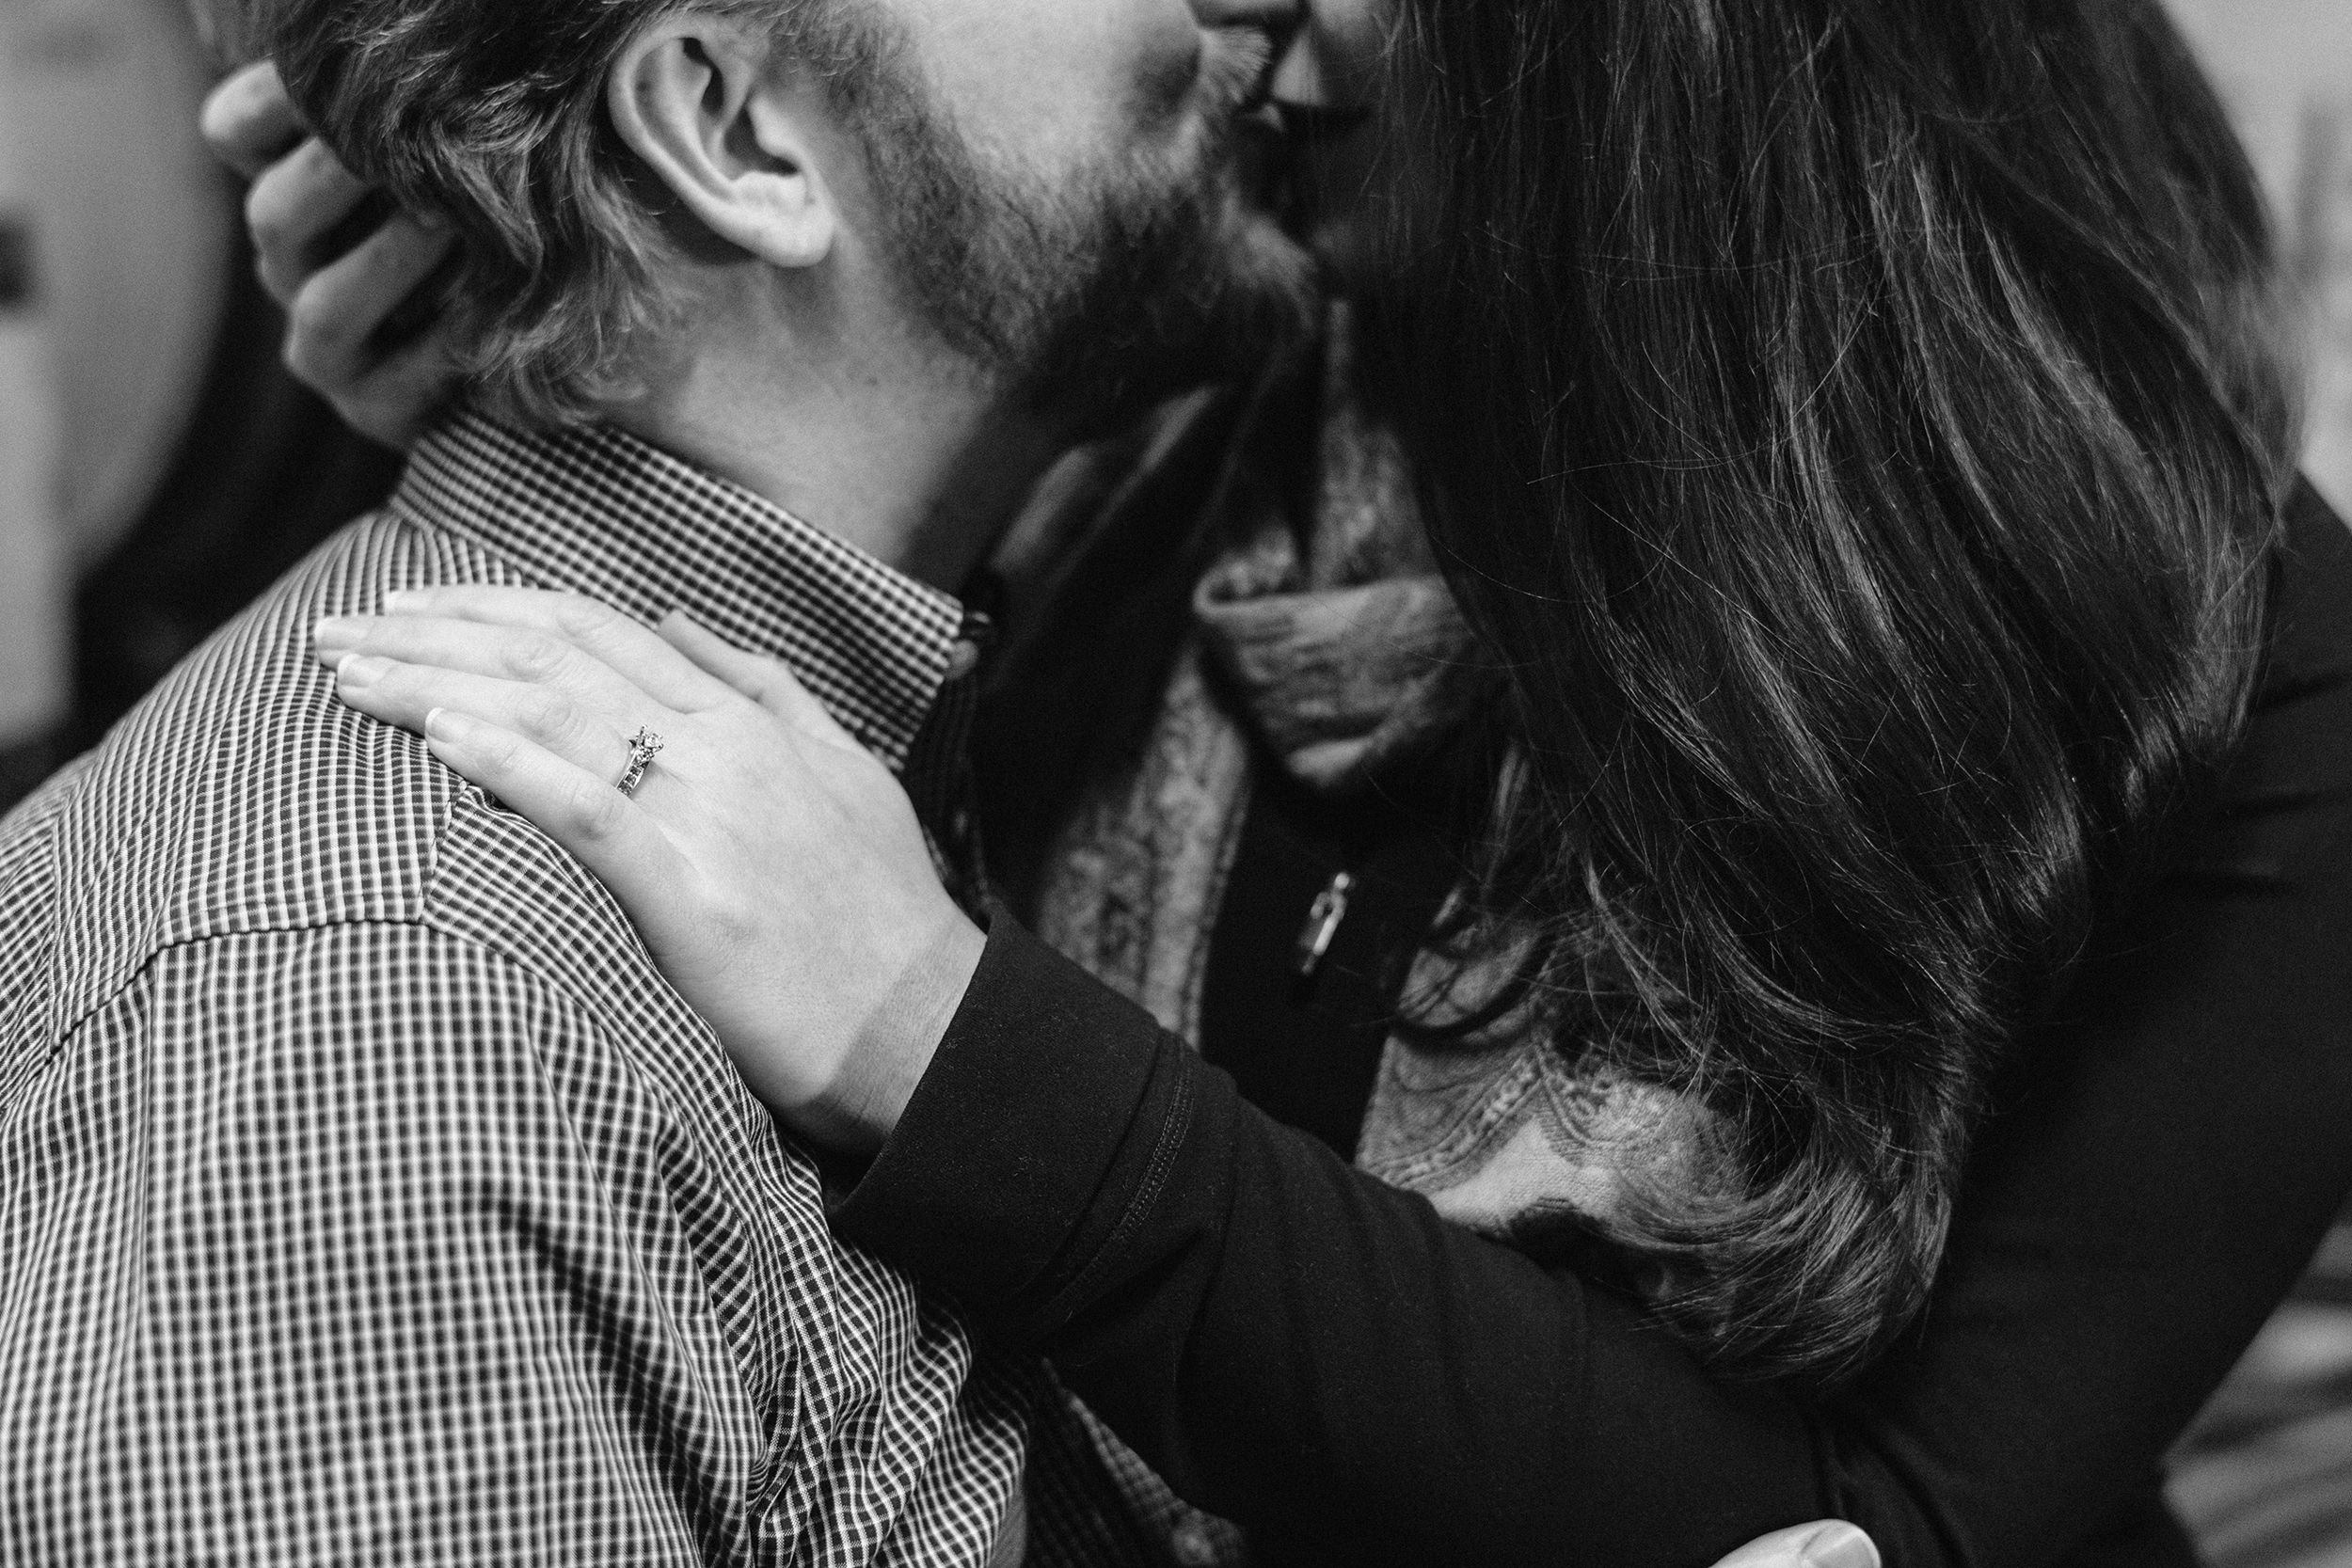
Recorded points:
642,748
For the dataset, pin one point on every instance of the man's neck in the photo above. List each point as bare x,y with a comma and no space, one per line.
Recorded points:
917,462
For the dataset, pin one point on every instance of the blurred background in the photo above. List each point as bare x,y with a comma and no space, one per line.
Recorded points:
158,468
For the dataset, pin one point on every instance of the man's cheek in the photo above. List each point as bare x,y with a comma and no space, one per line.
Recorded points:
1035,79
1165,80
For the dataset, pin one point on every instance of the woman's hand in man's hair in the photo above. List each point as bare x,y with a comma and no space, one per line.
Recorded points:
354,276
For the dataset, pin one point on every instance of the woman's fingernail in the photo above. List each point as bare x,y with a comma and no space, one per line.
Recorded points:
441,724
362,669
1840,1546
337,632
401,599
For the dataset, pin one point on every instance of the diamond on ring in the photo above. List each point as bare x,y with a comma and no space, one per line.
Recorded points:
642,748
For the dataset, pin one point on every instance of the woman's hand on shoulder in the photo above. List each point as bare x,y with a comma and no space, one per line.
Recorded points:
353,274
774,866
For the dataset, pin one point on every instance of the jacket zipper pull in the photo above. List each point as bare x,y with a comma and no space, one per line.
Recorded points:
1323,918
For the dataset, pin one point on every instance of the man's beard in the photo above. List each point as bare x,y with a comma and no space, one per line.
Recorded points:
1094,300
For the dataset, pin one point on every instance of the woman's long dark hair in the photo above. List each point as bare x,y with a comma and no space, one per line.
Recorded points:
1854,426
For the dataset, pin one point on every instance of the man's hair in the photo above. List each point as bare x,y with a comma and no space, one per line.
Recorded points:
489,115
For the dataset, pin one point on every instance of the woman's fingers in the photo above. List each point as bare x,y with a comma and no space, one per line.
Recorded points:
602,828
335,327
769,682
620,641
407,695
1830,1544
397,399
529,658
355,278
248,121
345,338
294,211
683,665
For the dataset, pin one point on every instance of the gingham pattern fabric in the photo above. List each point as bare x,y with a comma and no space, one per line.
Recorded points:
603,512
365,1193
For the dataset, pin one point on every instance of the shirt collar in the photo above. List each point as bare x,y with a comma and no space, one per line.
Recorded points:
603,513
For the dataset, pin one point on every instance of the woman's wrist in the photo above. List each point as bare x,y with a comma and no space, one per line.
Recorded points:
859,1109
1033,1125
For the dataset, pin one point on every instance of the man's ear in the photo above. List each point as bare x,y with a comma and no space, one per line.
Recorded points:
697,98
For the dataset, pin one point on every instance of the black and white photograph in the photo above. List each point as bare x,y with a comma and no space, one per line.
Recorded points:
1175,784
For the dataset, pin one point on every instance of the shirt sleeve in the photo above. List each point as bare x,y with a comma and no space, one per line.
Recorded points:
367,1240
338,1267
1321,1358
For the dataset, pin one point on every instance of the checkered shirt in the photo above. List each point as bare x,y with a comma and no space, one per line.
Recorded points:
366,1195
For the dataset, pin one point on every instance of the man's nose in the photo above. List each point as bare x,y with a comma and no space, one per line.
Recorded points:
1334,60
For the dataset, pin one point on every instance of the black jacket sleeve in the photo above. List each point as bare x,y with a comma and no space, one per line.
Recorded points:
1320,1357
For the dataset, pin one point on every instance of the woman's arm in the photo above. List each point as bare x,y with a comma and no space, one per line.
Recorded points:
1320,1356
759,857
760,827
1288,1342
1300,1348
1295,1345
